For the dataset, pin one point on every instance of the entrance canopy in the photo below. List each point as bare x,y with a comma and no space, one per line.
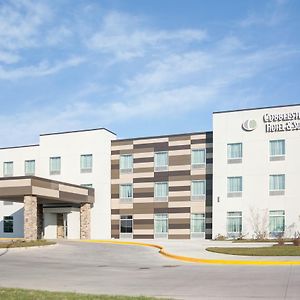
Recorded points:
35,192
47,191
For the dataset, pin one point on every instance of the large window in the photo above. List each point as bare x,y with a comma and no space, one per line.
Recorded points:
126,193
126,163
161,190
55,165
197,223
198,189
235,184
277,148
234,223
29,167
126,226
86,163
8,168
277,182
234,151
161,225
198,158
161,161
8,224
276,222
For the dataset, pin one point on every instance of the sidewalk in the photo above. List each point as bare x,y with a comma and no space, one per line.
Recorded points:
196,249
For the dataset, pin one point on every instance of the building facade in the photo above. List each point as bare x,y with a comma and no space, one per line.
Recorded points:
162,187
240,180
256,164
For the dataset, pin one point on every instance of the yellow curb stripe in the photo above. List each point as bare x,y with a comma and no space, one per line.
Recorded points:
198,260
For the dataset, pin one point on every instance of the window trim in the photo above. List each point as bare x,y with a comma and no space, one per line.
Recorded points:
161,198
55,172
198,197
234,233
127,199
235,193
4,223
234,160
126,234
198,165
8,162
126,171
161,168
28,173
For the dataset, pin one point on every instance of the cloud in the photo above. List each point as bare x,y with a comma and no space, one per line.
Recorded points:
126,37
44,68
8,58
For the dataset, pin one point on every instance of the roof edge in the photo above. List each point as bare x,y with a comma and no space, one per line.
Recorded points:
75,131
16,147
255,108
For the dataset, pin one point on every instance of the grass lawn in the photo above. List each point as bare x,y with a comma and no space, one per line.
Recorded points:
23,243
13,294
259,251
260,241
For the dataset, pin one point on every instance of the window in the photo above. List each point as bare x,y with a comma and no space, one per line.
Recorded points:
126,192
161,190
29,167
8,203
8,168
160,225
276,222
126,226
234,223
197,223
161,161
277,182
198,158
198,189
87,185
55,165
277,150
126,163
234,184
86,163
234,153
8,224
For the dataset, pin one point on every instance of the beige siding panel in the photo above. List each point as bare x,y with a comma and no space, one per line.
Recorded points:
142,155
125,205
198,136
45,192
198,171
180,183
179,143
144,175
179,152
180,168
150,141
143,216
127,176
197,206
180,204
179,193
179,215
180,137
179,231
115,203
122,147
198,146
143,185
142,231
115,157
143,165
115,217
125,180
143,200
15,183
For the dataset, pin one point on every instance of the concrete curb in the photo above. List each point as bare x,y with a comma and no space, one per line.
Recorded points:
198,260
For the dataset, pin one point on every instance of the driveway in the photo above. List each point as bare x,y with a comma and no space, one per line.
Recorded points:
134,270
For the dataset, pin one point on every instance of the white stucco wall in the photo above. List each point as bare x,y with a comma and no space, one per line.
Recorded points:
69,146
255,169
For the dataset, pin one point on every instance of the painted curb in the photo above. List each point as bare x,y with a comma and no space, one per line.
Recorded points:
198,260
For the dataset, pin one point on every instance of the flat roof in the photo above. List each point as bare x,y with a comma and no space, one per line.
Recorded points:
160,136
24,146
255,108
75,131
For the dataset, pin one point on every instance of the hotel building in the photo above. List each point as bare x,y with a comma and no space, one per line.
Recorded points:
238,180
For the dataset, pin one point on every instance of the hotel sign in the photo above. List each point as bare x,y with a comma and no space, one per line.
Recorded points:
282,122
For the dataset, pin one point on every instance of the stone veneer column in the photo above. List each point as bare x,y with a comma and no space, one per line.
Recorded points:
30,218
40,221
85,221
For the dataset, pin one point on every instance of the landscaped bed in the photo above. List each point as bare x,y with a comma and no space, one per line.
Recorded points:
23,243
285,250
16,294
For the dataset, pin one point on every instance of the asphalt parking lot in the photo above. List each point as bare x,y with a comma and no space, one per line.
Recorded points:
134,270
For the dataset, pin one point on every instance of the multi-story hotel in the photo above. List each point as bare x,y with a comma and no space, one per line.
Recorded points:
238,180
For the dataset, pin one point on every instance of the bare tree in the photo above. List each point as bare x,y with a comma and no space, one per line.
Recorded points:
259,222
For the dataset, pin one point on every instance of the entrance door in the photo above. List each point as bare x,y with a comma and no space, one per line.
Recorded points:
60,226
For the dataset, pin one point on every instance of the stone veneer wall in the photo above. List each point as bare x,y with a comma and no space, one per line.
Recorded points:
30,218
85,221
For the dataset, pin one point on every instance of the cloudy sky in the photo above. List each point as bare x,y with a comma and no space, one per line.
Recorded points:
142,67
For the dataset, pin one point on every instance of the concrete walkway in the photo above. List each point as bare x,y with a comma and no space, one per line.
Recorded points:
196,249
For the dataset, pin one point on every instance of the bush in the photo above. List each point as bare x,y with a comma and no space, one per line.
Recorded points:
296,242
220,237
280,242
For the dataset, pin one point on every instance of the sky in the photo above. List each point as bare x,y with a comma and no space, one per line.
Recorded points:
142,68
